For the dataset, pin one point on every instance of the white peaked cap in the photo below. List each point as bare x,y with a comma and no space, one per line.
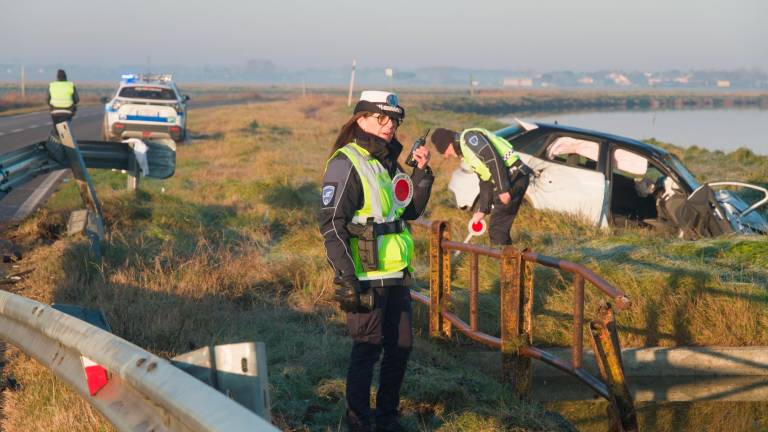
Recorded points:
383,102
376,96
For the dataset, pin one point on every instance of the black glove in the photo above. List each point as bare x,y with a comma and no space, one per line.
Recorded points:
351,299
526,170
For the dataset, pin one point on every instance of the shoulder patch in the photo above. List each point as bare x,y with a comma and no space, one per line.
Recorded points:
473,140
329,191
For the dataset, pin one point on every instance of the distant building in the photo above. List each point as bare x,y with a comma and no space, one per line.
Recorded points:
683,79
517,82
619,79
586,80
723,83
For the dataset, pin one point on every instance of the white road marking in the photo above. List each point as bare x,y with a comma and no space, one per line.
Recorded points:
34,199
33,126
16,130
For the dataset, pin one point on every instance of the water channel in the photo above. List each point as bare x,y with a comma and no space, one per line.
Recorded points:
717,129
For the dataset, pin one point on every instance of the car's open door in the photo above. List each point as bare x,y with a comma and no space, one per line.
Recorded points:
567,178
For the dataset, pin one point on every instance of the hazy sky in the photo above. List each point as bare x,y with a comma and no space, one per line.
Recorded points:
539,34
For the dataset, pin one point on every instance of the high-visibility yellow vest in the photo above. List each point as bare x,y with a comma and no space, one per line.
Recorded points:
502,147
394,250
61,94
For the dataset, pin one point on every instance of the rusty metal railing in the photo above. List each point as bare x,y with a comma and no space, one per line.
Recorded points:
516,320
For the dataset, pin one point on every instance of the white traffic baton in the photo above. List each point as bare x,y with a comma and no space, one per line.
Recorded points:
473,229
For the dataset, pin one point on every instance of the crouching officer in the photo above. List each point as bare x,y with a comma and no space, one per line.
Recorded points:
62,98
503,176
366,198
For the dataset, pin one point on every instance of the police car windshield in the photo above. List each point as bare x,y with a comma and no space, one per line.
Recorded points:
157,93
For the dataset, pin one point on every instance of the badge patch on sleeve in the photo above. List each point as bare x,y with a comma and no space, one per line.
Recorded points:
473,140
328,193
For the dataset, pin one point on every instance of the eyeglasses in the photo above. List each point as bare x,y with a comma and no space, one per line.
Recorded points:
384,119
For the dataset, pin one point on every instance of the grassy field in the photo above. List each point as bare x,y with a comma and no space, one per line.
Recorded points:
228,250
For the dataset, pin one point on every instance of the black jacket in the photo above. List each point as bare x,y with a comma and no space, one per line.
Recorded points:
500,181
343,196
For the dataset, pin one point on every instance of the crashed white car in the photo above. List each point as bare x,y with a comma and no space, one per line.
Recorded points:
146,106
616,181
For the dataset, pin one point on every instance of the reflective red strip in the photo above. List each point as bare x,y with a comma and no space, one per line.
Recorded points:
95,375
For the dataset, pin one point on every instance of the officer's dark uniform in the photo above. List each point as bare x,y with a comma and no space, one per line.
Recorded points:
389,325
62,113
502,215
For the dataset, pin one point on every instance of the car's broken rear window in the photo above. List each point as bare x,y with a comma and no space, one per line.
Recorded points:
156,93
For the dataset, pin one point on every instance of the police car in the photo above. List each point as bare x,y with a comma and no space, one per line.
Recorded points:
146,106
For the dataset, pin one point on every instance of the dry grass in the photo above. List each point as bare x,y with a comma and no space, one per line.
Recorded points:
228,250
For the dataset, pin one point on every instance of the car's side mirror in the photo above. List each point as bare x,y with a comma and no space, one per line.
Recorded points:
103,99
186,98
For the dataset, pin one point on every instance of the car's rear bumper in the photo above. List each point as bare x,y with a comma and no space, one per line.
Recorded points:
147,131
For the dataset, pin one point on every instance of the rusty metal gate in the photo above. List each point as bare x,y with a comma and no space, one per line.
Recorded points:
516,319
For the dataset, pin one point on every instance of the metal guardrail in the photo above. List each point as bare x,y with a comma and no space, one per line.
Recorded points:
144,392
61,151
516,320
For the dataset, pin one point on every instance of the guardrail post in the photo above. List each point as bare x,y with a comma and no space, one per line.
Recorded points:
134,174
604,339
95,225
516,368
436,253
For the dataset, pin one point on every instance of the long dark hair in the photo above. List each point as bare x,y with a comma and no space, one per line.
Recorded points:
348,131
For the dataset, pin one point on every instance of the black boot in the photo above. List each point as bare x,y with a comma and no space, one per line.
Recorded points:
357,424
389,424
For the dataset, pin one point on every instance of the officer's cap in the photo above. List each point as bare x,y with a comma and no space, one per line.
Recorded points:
382,102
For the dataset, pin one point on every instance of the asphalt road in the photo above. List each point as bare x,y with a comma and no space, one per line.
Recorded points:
24,129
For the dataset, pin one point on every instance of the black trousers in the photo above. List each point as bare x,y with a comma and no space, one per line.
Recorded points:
387,328
60,117
503,215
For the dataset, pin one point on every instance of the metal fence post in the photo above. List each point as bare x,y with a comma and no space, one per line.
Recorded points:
608,356
516,369
577,352
436,253
445,300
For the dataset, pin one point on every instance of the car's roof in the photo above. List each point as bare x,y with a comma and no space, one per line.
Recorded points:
627,142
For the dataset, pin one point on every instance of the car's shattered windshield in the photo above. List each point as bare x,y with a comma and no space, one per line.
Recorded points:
680,169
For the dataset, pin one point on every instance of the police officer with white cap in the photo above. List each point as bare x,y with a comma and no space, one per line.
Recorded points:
366,199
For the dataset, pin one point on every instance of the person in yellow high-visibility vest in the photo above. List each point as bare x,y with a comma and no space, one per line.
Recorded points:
62,98
504,178
366,199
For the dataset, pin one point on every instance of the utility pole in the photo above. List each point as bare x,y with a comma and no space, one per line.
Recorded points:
471,87
351,83
390,73
23,83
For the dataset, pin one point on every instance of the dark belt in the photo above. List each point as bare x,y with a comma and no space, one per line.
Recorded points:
395,227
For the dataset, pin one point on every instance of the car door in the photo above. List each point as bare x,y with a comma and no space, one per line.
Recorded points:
568,178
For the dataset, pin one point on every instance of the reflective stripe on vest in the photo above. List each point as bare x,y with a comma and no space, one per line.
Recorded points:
501,146
395,250
61,94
